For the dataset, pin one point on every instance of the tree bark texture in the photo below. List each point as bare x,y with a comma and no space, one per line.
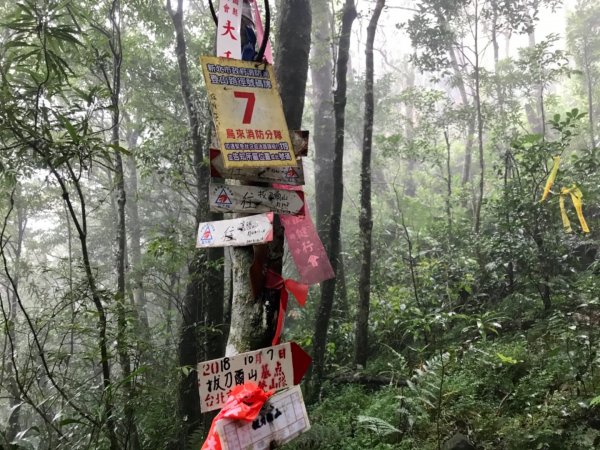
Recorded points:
365,221
203,301
16,400
479,125
321,70
328,290
135,233
130,434
460,84
253,320
410,186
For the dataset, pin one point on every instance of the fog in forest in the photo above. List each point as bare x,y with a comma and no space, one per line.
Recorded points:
393,204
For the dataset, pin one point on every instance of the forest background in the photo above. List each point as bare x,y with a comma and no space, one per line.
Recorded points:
473,325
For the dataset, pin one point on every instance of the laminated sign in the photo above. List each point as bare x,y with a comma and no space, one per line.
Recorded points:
271,368
282,418
255,199
249,230
247,113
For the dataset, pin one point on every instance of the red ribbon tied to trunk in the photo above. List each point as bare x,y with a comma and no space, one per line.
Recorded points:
286,286
244,403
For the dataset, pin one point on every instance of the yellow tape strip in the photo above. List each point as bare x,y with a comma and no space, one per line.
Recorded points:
551,178
576,198
563,213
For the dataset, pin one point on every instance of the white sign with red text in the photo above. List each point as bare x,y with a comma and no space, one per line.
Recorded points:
271,368
228,36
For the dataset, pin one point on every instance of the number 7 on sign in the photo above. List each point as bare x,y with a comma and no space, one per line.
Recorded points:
250,100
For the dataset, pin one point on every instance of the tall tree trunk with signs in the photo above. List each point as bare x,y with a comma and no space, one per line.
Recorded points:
328,291
366,210
202,310
253,319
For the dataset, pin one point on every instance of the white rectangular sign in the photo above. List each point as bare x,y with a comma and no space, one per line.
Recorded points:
255,199
248,230
283,419
283,175
229,44
271,368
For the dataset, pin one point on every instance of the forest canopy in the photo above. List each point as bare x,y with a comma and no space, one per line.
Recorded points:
452,174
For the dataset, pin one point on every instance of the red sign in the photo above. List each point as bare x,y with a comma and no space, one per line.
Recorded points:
305,246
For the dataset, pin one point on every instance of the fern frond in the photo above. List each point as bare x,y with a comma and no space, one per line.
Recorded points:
378,426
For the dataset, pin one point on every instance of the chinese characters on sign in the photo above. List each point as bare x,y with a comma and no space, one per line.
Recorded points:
271,368
306,248
247,113
254,199
282,419
249,230
230,22
284,175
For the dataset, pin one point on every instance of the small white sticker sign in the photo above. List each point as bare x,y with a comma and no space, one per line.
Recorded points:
282,419
248,230
255,199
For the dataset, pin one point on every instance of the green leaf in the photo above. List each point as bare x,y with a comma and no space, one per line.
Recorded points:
506,359
595,401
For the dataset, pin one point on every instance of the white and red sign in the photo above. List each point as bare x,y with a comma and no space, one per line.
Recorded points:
249,230
255,199
229,44
282,419
272,368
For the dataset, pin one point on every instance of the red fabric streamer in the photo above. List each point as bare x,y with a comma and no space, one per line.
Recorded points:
287,286
244,403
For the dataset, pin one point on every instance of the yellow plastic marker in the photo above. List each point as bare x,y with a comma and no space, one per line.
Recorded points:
551,178
576,198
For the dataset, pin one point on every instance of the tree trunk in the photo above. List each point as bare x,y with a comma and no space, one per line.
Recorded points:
321,69
135,233
328,290
130,434
590,93
479,125
460,84
410,186
13,425
361,347
253,320
203,303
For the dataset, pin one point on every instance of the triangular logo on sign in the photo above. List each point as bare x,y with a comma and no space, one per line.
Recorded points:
223,198
291,173
206,234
